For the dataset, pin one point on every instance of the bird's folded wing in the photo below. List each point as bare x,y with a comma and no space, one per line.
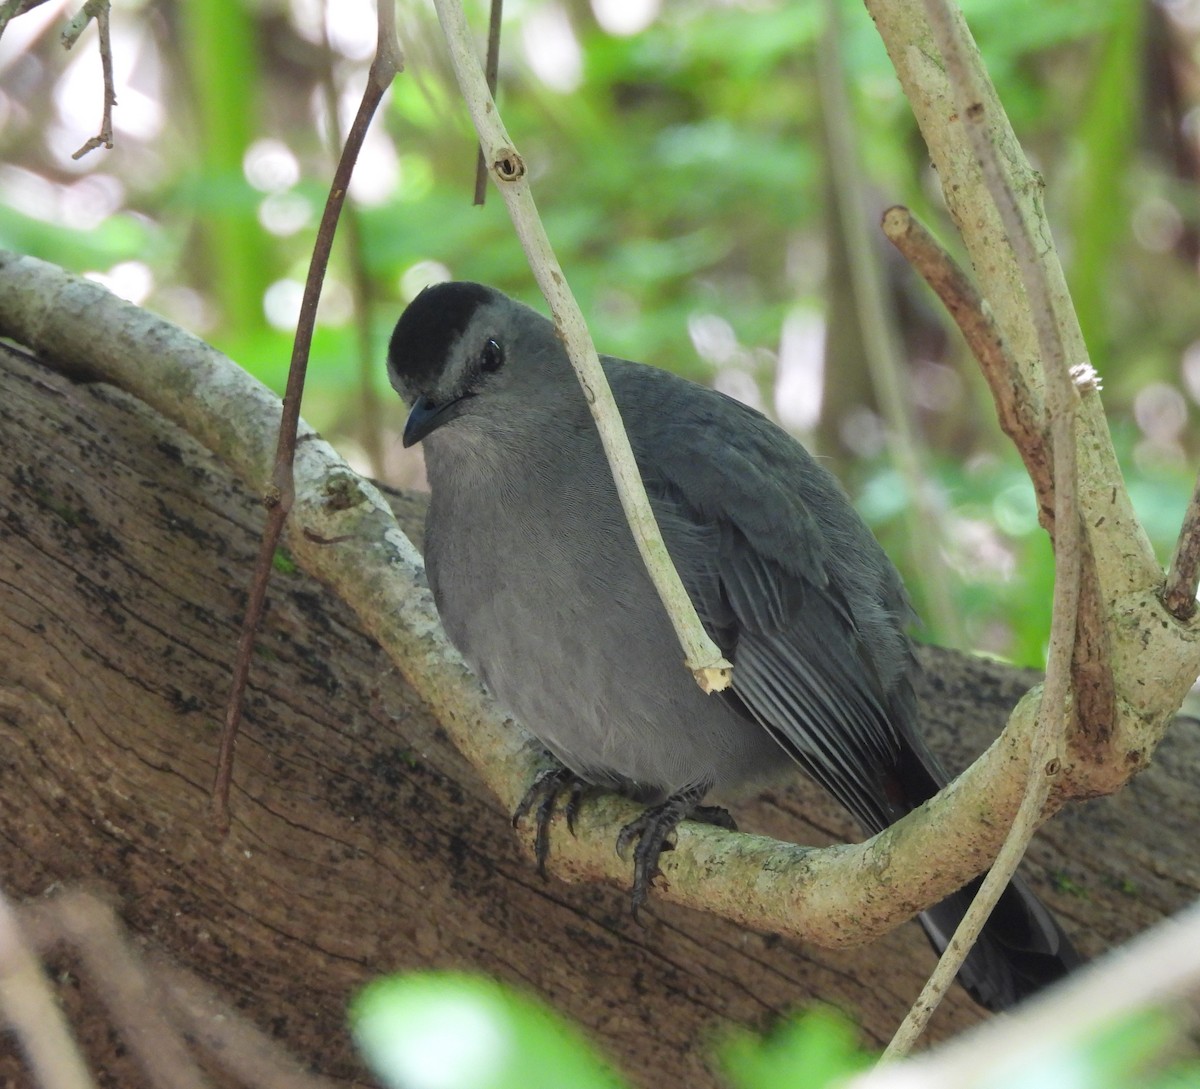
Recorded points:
735,504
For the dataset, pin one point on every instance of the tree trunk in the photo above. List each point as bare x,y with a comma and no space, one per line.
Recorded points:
362,843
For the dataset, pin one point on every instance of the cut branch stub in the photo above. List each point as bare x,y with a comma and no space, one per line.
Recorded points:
508,164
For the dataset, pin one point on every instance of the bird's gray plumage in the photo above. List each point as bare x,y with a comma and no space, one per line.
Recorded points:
540,586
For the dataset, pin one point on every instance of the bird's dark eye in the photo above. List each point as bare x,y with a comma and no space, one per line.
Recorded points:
492,357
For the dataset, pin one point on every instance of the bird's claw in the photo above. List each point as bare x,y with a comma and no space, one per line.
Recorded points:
653,830
544,792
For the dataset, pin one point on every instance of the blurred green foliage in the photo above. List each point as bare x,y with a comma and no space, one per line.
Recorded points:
817,1049
446,1030
681,170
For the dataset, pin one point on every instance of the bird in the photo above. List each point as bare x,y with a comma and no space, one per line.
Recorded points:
540,586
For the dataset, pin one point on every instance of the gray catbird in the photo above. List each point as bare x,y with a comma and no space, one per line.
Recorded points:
540,586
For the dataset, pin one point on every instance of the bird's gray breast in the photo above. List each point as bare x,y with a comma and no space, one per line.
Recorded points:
540,586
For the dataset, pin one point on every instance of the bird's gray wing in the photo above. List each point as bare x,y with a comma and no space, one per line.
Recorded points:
786,579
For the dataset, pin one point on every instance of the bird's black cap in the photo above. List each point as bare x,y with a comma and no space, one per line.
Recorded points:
428,328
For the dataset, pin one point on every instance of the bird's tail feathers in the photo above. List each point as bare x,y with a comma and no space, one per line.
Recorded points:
1021,949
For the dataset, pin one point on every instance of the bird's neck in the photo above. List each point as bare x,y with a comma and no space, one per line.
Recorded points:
529,471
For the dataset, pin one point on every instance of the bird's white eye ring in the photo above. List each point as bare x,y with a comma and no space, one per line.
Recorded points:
492,357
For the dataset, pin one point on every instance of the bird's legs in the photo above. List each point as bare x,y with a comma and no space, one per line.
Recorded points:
653,827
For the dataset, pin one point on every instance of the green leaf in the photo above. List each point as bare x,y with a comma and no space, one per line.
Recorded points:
447,1030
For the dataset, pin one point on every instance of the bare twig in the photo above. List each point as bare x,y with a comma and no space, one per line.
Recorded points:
98,10
701,654
1014,406
281,495
1183,576
493,74
1061,397
29,1008
369,424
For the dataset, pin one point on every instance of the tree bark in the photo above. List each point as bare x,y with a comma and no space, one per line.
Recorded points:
362,842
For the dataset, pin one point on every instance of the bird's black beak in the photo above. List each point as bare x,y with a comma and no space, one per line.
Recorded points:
425,416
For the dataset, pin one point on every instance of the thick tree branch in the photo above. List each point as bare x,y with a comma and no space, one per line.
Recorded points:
834,896
132,534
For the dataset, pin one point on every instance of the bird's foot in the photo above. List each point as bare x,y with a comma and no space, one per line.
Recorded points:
545,792
714,815
653,828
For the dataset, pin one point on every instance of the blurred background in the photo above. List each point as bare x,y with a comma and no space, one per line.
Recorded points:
711,173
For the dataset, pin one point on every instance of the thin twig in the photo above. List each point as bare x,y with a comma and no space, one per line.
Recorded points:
493,74
703,658
32,1014
281,494
1024,824
98,10
957,291
1061,397
1183,576
369,425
